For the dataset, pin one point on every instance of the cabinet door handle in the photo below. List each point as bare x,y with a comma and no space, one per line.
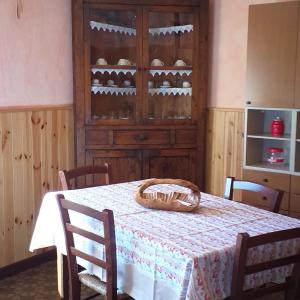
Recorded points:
248,102
265,180
141,137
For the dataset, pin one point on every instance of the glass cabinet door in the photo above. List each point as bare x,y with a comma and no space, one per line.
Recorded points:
111,57
169,57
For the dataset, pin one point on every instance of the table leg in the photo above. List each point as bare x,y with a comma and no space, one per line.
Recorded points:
62,276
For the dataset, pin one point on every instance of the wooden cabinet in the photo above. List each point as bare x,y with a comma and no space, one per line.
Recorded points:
295,197
139,70
272,55
126,165
170,163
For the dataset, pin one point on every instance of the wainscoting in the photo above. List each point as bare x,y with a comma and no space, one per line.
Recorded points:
34,144
224,148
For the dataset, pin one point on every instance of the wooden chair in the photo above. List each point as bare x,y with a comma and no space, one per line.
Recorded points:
291,286
109,287
72,176
274,196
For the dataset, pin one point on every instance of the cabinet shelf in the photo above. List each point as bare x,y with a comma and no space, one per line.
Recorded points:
269,167
132,31
268,136
113,90
170,91
171,70
113,69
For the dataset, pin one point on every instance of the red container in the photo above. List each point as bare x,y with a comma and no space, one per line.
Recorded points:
277,127
276,156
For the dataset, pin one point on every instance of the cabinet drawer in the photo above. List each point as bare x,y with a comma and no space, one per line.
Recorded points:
258,200
144,137
295,203
273,180
96,137
295,185
185,137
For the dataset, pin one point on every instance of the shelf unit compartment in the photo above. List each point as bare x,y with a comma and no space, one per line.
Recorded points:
297,158
257,152
298,126
259,122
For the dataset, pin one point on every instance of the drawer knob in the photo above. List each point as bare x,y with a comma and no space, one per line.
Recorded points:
141,137
265,180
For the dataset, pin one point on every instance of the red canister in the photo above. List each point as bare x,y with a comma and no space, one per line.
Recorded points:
277,127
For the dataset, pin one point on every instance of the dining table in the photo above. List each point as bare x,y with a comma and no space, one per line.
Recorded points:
168,255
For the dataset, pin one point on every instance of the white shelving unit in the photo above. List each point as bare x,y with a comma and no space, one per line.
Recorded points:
258,139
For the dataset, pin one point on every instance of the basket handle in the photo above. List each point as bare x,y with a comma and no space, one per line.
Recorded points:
180,182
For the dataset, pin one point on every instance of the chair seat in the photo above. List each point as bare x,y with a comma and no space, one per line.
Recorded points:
93,282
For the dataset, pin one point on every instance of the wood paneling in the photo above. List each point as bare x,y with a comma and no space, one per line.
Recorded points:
34,145
224,147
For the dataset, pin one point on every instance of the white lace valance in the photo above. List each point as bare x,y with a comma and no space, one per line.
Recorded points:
110,71
171,91
132,31
113,90
112,28
172,72
171,29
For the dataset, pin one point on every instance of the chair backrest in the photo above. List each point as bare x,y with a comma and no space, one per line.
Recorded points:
69,179
274,196
108,240
241,269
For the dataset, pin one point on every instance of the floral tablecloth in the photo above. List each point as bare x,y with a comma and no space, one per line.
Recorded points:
170,255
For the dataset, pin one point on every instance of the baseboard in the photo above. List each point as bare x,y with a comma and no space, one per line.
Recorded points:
27,263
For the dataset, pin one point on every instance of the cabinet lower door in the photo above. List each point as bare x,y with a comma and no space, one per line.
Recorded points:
126,165
170,163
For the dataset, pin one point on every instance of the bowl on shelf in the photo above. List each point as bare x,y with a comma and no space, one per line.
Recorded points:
157,63
180,63
124,62
186,84
166,84
101,61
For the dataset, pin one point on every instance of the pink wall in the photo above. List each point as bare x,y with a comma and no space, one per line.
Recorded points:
228,53
35,53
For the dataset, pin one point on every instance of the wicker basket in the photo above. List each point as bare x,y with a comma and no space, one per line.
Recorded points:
172,201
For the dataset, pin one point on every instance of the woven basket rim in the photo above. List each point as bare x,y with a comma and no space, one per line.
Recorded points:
158,203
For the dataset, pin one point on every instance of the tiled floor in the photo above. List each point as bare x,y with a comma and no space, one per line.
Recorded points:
36,284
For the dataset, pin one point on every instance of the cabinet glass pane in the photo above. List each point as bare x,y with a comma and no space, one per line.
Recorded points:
170,66
112,58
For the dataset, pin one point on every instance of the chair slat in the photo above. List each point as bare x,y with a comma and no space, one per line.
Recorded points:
259,292
89,258
275,237
84,210
272,264
85,233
